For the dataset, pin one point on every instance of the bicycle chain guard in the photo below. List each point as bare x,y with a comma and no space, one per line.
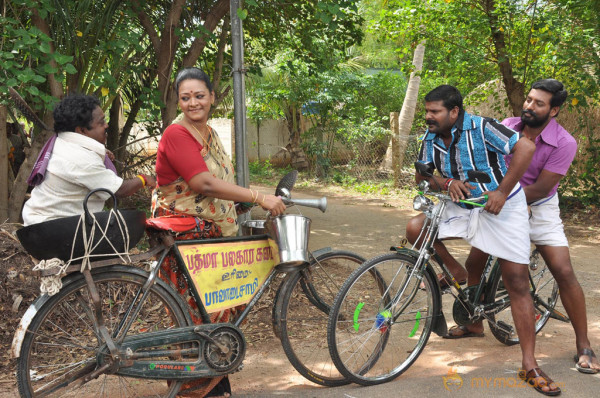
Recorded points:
206,350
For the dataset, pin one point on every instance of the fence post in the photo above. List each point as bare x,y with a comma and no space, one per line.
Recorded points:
396,164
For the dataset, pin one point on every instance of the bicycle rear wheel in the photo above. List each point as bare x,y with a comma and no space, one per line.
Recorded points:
62,343
382,319
303,311
544,291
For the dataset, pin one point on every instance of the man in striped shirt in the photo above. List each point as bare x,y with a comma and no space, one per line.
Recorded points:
454,143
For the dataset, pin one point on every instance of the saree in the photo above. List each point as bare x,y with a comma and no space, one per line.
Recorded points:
213,218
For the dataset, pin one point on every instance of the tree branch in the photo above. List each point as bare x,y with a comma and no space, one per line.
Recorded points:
147,25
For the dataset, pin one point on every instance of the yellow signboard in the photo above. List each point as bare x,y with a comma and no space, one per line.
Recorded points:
227,274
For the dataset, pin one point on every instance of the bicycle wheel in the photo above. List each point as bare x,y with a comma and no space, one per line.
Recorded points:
62,343
303,311
544,291
381,319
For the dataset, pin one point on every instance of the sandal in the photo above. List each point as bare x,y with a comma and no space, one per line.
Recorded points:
460,332
585,369
531,376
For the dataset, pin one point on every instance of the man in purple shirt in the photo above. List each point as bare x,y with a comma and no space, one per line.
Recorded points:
555,150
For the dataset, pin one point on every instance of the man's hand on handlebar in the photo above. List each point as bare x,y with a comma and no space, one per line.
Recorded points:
273,204
459,190
495,202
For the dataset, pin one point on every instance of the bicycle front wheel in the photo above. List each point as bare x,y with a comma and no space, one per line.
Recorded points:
544,291
63,343
382,319
303,311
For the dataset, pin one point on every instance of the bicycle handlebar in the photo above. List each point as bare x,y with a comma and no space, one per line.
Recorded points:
320,204
470,201
473,201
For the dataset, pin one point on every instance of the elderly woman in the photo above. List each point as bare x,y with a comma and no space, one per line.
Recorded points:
76,165
195,180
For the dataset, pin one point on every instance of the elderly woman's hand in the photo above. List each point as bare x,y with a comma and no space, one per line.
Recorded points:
273,204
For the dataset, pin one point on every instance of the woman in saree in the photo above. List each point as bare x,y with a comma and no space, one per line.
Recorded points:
195,179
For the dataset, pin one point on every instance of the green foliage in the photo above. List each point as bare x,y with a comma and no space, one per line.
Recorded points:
582,182
264,171
315,31
368,187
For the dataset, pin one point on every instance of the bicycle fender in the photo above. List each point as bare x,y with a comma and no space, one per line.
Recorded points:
30,314
439,325
321,251
24,324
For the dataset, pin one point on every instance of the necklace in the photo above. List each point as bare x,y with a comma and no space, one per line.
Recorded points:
205,148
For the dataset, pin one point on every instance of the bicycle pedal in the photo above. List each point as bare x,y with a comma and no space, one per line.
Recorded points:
505,328
559,316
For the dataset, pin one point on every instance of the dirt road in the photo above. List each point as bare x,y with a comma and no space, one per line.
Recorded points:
370,227
485,367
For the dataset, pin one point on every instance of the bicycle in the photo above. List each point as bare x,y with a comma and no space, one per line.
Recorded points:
386,310
115,329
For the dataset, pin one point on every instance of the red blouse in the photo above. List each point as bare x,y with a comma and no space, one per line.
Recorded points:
178,155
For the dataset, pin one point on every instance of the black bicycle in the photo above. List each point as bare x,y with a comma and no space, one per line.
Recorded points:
386,310
118,330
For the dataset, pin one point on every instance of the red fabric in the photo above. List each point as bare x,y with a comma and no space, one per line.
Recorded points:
178,155
172,223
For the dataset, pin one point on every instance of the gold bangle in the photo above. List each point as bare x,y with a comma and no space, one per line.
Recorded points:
142,179
252,196
262,202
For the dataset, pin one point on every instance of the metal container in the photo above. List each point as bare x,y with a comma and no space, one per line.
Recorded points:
254,227
291,232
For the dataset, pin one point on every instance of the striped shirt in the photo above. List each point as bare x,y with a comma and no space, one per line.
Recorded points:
477,144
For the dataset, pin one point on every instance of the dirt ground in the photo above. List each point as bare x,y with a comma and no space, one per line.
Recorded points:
367,226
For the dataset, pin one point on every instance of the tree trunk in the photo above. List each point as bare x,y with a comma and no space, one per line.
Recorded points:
395,158
299,161
515,90
218,11
19,189
17,195
113,123
407,114
133,111
4,166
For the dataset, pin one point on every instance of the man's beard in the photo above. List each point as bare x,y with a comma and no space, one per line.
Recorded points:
534,120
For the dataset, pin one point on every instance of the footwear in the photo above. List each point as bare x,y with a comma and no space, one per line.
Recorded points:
585,369
444,283
530,378
459,332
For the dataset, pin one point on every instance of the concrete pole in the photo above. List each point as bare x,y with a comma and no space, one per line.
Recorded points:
239,96
239,102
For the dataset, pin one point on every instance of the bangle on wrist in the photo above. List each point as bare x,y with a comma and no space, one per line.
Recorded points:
143,179
449,183
262,202
252,195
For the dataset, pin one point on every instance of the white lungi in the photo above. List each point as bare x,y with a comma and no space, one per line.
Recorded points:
546,227
505,235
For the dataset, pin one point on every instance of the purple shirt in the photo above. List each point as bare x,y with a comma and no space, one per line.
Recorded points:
555,150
